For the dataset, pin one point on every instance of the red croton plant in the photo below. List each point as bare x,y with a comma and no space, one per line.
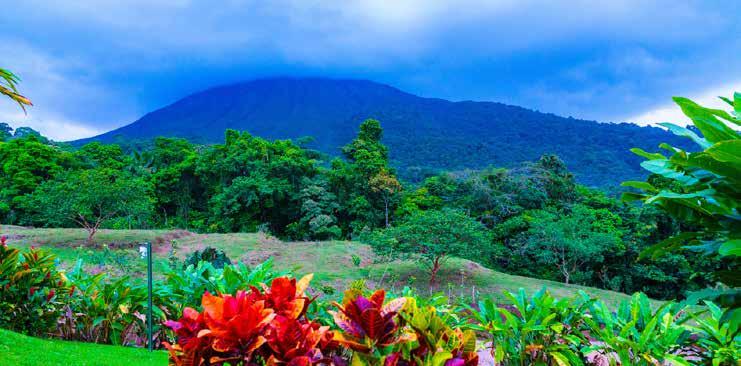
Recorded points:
270,327
370,327
267,325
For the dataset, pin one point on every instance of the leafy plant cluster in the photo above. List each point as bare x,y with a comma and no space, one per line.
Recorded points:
228,315
255,327
704,192
31,290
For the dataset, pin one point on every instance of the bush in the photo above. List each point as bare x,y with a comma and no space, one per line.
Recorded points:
216,257
32,291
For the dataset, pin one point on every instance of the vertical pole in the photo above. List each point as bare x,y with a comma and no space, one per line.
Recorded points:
149,296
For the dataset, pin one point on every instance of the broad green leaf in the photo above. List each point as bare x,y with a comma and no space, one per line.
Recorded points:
647,155
704,119
640,185
560,359
664,168
685,132
726,151
731,248
668,245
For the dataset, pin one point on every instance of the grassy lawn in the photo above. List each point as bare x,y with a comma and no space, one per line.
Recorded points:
20,350
330,261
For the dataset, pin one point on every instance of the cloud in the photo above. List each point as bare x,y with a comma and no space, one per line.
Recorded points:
670,112
99,64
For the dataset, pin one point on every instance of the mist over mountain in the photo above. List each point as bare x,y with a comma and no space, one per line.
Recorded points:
424,135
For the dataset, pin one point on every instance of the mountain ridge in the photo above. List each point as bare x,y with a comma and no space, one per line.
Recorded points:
424,134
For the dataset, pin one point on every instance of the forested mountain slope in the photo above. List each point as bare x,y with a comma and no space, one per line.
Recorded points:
423,134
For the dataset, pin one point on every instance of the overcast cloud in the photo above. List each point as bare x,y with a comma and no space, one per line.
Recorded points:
90,66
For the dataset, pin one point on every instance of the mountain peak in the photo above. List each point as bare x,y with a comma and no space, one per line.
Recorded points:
423,134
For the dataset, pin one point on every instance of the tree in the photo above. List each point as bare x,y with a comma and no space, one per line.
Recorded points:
318,212
252,181
705,193
23,132
89,198
574,243
24,164
8,82
365,182
6,132
431,237
176,187
385,185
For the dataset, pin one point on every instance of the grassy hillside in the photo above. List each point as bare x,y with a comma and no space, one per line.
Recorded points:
115,251
20,350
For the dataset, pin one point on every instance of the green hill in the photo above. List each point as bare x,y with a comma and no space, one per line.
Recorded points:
330,261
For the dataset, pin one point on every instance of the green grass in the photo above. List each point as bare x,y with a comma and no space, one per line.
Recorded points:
20,350
330,261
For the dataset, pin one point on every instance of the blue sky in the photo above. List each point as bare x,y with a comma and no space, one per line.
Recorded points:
92,65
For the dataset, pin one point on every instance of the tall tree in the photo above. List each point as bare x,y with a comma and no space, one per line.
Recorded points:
24,164
365,182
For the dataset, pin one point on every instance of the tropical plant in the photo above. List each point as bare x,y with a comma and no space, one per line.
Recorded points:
704,194
370,328
32,290
437,343
718,344
216,257
8,88
532,331
105,311
638,335
185,287
268,325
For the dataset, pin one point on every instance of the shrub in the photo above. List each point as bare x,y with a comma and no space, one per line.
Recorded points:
638,335
216,257
103,311
268,325
538,330
32,291
370,328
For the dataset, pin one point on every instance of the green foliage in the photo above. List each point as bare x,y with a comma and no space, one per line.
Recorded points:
252,181
638,335
91,197
365,184
216,257
720,344
32,291
103,310
185,286
431,237
25,163
572,243
704,193
540,330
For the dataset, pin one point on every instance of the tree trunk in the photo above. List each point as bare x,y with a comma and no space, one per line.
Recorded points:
435,269
91,230
386,210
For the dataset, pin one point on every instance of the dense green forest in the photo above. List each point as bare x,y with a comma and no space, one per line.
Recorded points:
533,220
